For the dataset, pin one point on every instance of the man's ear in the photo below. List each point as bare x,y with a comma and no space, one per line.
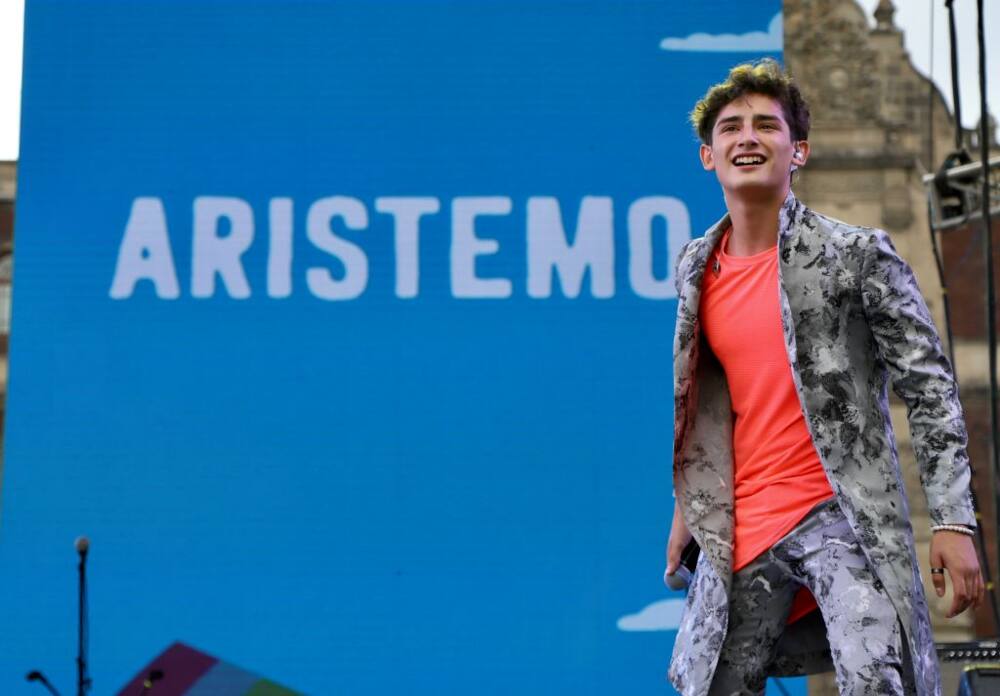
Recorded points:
801,153
705,153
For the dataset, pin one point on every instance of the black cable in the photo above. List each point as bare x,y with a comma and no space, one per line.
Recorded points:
956,97
935,248
944,295
930,100
984,153
980,538
939,263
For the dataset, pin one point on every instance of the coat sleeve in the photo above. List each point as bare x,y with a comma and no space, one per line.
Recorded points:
678,262
921,376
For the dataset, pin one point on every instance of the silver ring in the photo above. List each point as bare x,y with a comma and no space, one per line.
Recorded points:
937,571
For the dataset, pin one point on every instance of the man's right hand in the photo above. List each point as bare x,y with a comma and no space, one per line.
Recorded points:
680,537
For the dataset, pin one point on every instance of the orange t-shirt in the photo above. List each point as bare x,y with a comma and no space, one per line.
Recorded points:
777,475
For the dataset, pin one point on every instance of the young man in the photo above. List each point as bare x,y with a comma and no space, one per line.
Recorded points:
789,325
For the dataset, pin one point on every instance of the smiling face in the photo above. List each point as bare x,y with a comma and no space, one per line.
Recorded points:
752,151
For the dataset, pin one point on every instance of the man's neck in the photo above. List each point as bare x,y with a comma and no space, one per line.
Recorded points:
755,223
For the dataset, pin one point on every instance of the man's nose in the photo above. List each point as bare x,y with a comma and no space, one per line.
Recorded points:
748,136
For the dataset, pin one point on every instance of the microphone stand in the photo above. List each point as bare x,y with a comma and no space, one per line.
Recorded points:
40,678
82,545
82,680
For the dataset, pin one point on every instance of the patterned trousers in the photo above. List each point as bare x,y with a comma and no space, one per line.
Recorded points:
821,553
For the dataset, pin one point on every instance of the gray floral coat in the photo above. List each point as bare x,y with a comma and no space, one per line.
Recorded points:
852,316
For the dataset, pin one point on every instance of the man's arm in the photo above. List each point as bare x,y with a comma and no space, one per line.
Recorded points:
680,537
909,345
679,534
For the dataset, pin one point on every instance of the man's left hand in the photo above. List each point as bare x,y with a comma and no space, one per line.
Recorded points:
956,553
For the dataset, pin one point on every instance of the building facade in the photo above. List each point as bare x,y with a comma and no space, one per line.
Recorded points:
878,127
8,190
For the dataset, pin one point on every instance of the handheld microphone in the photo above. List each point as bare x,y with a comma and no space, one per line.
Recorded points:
680,579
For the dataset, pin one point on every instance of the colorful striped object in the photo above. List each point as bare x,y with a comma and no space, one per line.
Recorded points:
189,672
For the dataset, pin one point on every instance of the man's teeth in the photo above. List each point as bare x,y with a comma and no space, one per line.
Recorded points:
749,159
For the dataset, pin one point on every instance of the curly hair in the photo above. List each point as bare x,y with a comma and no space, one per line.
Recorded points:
764,77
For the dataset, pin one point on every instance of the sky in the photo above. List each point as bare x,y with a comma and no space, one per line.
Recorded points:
11,30
912,16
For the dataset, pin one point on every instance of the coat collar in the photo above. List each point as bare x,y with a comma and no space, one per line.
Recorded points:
788,216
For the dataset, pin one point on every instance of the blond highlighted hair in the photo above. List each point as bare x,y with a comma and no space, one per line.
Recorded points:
764,77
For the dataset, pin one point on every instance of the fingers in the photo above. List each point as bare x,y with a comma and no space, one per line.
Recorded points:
679,538
961,594
673,558
980,592
939,584
937,578
673,561
969,590
972,580
956,554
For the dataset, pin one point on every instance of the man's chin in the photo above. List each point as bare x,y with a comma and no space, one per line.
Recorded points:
754,187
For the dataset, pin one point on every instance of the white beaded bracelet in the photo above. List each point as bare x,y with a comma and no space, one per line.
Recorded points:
953,528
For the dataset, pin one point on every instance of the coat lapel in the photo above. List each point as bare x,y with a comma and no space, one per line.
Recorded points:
703,476
703,452
688,300
788,217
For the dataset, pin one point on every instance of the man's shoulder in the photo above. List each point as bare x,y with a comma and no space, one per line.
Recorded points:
837,231
690,249
697,244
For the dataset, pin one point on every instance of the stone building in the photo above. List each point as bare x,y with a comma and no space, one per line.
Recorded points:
878,127
8,175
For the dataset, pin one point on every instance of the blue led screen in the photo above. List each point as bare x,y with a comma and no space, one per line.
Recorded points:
344,330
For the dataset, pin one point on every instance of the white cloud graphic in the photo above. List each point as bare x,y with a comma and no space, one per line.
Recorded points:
664,615
751,42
